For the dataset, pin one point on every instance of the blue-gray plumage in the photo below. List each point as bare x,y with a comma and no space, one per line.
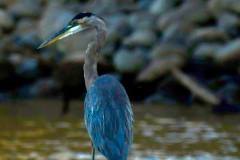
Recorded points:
107,112
108,117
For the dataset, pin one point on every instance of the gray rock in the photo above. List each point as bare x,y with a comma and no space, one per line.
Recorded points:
218,6
28,39
142,20
117,27
127,61
161,98
209,34
5,3
108,50
6,20
189,12
7,44
229,23
166,49
41,88
178,33
28,68
2,3
161,6
229,52
44,87
233,5
159,67
26,8
206,51
141,37
229,91
4,97
144,4
26,34
26,25
15,58
215,7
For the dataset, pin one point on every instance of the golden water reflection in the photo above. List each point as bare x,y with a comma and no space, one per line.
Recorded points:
36,130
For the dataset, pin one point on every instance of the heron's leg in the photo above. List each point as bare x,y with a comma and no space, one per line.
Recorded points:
93,152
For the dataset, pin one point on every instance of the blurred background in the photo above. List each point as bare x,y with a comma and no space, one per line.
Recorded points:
178,60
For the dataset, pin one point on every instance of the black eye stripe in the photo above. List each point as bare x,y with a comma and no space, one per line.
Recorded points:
82,15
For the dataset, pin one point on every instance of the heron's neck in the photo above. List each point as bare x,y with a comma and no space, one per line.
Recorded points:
91,57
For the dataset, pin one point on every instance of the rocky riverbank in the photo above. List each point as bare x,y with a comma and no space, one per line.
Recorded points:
163,51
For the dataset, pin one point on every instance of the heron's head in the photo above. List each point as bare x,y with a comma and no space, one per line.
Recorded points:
80,22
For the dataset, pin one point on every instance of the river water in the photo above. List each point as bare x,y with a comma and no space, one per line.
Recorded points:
35,130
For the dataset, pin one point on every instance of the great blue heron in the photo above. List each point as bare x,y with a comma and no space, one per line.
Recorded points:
107,109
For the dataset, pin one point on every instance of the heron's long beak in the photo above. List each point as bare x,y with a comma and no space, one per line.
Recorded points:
70,29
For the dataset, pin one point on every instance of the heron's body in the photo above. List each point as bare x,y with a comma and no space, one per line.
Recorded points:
108,118
108,113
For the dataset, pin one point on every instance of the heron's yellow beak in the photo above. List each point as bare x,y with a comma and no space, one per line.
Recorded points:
70,29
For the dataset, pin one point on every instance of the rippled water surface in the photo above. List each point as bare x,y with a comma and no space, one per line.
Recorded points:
35,130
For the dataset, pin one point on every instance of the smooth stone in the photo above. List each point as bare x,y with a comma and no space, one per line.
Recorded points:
7,44
26,8
206,51
178,33
108,50
233,5
229,91
208,34
6,20
26,25
160,6
142,20
15,58
144,4
28,68
215,6
166,49
4,97
159,67
117,28
6,3
141,37
126,61
229,23
2,3
229,52
29,39
188,12
43,88
160,98
218,6
26,34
